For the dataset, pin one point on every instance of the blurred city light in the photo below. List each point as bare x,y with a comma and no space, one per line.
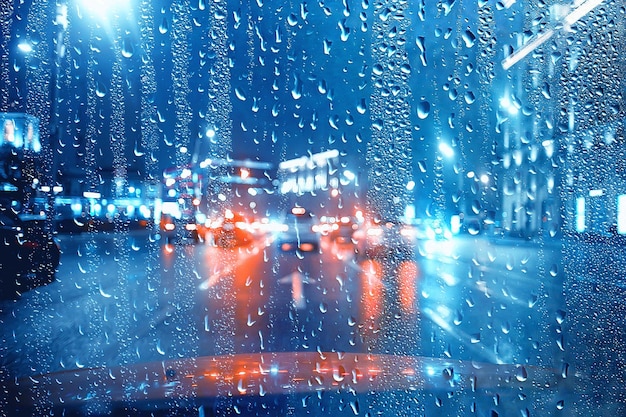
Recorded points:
102,8
510,106
25,47
539,39
446,150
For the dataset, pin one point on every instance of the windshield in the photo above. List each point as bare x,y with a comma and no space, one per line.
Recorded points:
312,208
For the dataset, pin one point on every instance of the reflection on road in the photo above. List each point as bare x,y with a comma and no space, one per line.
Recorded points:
285,374
250,319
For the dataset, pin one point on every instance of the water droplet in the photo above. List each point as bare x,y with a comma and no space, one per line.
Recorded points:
475,338
102,293
164,26
554,270
469,38
473,228
361,107
127,48
101,89
292,20
296,91
560,342
521,374
506,327
354,405
423,109
240,94
476,206
323,307
338,373
447,6
458,317
345,30
159,349
545,91
240,387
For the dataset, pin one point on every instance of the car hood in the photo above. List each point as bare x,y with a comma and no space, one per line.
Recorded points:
272,373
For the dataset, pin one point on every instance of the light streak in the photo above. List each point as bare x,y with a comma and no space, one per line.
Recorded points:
541,38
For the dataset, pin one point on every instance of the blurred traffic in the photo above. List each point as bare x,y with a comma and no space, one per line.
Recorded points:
30,255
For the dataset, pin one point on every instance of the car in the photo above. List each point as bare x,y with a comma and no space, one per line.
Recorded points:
30,255
230,231
178,230
299,232
344,230
389,239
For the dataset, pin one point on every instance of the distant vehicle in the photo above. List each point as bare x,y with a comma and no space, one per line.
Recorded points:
299,233
29,255
231,231
385,239
72,225
183,230
344,230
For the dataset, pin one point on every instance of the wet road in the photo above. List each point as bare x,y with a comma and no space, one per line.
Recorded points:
437,318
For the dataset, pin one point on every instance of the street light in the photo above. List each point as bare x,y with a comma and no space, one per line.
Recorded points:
446,150
101,9
210,135
25,47
565,24
511,106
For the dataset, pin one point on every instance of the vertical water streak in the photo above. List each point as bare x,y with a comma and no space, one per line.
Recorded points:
149,144
389,158
5,30
119,190
38,104
184,342
389,153
180,35
149,131
220,105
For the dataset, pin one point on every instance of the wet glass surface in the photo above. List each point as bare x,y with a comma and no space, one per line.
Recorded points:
313,208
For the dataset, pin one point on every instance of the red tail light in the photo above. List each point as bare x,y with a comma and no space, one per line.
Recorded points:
30,244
